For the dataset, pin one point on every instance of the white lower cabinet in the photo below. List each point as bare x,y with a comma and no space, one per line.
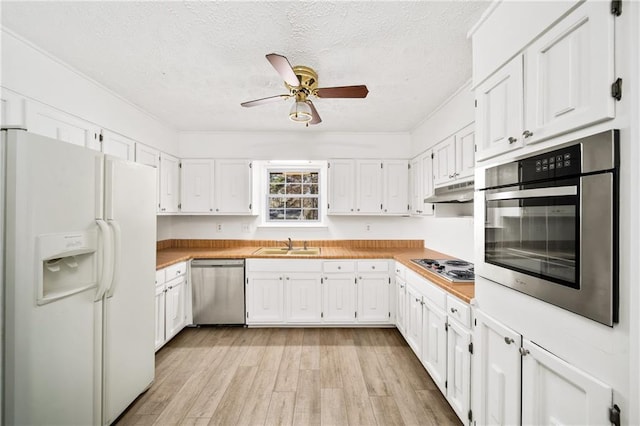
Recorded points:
434,344
401,298
172,296
374,284
459,368
413,319
316,292
303,298
509,368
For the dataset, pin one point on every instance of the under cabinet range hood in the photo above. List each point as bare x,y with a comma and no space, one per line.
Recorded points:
457,193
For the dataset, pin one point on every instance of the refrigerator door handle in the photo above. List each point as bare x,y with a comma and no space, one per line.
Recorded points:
107,259
117,238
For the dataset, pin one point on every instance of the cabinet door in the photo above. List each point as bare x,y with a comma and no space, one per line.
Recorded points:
459,369
395,179
160,316
426,161
415,186
465,152
414,320
150,157
555,392
233,190
341,187
496,372
265,297
569,71
117,145
196,186
499,111
12,109
175,319
303,298
444,161
169,183
373,298
368,186
434,343
47,121
339,298
401,302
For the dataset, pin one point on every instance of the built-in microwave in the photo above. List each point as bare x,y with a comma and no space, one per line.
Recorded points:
551,226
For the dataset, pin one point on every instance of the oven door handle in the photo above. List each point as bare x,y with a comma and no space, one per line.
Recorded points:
558,191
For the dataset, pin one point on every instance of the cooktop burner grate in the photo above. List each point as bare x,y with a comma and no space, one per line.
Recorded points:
453,270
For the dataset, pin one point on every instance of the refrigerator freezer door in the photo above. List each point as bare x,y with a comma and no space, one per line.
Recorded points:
129,322
52,351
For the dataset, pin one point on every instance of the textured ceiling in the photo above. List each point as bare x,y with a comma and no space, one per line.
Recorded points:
191,64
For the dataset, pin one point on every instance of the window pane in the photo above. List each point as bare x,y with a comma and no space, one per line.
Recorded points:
310,203
310,214
310,188
294,177
293,195
294,202
276,177
294,189
277,203
293,214
275,214
276,188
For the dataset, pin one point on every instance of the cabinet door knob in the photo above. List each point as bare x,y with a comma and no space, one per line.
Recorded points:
339,267
454,310
358,209
523,351
217,210
351,209
418,300
280,278
210,210
527,134
287,278
373,267
508,340
512,139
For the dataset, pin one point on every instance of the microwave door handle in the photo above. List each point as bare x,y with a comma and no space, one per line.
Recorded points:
558,191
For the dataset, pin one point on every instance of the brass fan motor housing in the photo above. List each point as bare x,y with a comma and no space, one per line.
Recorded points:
308,83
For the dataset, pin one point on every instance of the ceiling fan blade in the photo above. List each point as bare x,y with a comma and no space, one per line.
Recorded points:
264,100
315,117
284,68
343,92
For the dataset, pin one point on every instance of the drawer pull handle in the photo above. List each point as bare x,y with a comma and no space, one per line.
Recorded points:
527,134
508,340
418,300
339,267
454,310
512,140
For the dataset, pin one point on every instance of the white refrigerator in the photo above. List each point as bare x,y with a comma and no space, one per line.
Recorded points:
78,280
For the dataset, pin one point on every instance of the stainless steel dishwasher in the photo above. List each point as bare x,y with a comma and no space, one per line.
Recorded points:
218,291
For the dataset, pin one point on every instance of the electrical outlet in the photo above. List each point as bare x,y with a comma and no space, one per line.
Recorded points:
219,227
367,227
246,228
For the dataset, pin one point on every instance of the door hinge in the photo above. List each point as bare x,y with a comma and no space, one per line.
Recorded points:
389,280
321,314
614,415
380,206
433,207
616,89
247,314
328,206
389,314
475,322
355,280
446,384
470,415
355,314
446,326
432,156
616,7
328,165
408,207
247,281
409,166
101,137
471,351
321,280
179,165
250,165
381,164
250,206
475,148
179,206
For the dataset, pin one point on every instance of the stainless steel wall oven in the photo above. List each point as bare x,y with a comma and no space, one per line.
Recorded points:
551,226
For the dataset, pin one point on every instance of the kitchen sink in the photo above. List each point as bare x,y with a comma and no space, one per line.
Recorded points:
271,251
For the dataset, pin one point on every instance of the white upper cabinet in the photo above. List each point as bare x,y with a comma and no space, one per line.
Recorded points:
569,72
499,111
426,163
559,83
117,145
395,178
233,187
444,161
415,187
454,158
13,109
368,186
169,183
47,121
196,186
147,155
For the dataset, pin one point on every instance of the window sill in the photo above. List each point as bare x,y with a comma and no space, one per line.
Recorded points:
293,225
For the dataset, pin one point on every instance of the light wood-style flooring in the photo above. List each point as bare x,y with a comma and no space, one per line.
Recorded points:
295,376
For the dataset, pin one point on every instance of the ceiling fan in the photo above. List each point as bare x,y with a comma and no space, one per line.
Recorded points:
302,83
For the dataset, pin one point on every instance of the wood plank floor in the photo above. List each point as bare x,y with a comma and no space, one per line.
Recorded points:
258,376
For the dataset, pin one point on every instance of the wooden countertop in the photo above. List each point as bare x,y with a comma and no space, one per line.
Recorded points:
464,291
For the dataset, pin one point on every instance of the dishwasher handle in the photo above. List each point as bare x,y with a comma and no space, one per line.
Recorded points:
217,263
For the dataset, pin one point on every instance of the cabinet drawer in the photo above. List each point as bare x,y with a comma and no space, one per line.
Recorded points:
338,266
373,266
401,270
160,276
175,270
435,294
459,310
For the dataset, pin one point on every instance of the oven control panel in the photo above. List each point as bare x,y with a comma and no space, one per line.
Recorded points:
560,163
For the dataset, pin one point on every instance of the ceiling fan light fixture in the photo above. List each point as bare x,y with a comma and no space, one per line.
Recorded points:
300,112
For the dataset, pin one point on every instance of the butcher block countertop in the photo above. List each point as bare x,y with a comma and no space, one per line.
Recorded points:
174,251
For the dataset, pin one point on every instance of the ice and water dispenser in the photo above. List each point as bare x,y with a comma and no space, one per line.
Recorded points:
68,264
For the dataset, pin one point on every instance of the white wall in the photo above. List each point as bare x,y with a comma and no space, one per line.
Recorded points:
35,74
